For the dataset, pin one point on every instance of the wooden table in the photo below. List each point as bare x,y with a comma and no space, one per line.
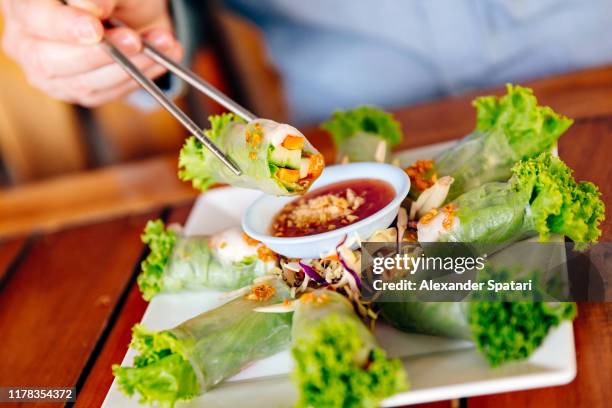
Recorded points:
72,250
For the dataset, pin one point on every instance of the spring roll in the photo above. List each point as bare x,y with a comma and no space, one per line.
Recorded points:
275,158
226,260
364,134
502,331
540,199
338,362
193,357
509,129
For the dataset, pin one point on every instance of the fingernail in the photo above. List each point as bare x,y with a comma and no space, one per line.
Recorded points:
127,42
162,41
85,30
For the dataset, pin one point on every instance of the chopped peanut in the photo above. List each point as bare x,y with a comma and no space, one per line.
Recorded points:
261,292
291,176
417,173
249,240
320,211
449,208
293,142
426,219
449,211
316,165
266,254
314,298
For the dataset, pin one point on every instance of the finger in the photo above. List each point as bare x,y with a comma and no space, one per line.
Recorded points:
107,76
55,59
164,40
110,76
51,20
100,97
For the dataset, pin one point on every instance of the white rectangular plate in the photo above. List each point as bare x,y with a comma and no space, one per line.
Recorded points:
438,369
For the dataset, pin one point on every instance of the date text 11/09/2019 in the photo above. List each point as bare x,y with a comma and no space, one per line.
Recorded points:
430,285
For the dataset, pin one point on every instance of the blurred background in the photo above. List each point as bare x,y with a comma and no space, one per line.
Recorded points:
329,54
41,137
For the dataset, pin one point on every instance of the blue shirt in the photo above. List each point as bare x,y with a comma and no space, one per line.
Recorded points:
336,54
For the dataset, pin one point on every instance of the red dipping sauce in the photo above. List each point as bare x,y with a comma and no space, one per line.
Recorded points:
333,206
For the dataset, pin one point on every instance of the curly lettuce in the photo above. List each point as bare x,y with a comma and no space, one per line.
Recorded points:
161,243
337,360
508,129
512,331
177,262
191,358
194,157
161,373
502,331
529,128
541,198
358,132
558,203
275,158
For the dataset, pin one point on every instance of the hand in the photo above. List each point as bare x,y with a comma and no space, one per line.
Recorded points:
56,45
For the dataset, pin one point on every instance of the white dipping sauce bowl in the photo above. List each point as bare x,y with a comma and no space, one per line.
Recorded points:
257,220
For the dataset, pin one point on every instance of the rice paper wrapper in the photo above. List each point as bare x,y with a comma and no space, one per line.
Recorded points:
308,314
363,147
489,218
446,319
221,342
254,160
477,159
194,266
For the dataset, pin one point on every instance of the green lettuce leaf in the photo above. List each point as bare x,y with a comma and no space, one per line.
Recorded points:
510,331
193,357
509,129
160,373
559,204
541,198
161,243
193,155
337,360
529,128
367,119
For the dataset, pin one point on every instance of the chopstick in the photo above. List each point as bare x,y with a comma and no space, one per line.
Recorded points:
191,78
197,82
153,90
157,94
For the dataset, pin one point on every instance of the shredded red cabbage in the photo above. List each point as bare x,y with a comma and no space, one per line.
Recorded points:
312,274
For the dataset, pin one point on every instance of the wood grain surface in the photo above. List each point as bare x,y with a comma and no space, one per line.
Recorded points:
115,347
69,298
9,255
56,306
92,196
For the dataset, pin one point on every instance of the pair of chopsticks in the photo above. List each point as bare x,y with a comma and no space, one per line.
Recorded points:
188,76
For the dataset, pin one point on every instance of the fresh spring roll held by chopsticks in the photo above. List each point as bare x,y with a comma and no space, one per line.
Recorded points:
193,357
502,331
226,260
338,362
274,158
364,134
508,129
541,198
